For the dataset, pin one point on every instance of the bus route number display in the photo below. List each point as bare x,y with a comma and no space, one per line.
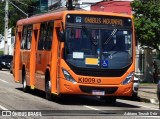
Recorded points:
99,20
107,21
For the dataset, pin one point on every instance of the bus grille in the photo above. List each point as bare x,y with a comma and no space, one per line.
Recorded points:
98,72
108,90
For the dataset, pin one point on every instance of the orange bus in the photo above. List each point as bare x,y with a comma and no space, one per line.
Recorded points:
76,52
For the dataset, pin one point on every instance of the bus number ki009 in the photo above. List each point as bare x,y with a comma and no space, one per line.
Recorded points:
88,80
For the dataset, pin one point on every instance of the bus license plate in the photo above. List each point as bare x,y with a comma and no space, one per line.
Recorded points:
98,92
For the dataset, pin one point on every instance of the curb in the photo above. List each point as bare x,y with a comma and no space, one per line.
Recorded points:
147,92
153,101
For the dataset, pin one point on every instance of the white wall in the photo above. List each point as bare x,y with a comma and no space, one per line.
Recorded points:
10,42
85,4
2,44
89,1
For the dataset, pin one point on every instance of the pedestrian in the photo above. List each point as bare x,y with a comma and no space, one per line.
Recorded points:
155,72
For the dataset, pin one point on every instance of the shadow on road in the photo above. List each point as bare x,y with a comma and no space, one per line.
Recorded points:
79,100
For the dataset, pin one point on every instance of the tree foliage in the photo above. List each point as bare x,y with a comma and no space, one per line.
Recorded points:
147,22
28,6
2,17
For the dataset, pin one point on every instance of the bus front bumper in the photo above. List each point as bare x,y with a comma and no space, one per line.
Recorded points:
67,87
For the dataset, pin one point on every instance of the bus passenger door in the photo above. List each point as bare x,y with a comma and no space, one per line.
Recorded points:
43,54
25,55
55,64
40,61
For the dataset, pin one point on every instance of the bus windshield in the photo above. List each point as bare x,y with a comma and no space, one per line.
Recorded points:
89,47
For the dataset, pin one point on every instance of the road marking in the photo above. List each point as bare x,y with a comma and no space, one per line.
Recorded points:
3,81
91,107
94,108
3,108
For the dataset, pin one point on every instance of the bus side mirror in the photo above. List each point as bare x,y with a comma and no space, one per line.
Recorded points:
61,35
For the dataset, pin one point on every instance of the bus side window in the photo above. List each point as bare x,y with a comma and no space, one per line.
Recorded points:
24,34
29,37
41,41
17,35
49,36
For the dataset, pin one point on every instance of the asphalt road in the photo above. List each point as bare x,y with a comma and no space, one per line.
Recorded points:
18,104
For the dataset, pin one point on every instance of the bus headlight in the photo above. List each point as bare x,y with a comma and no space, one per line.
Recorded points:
128,79
68,76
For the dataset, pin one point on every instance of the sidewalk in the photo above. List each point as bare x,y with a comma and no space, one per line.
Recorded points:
148,93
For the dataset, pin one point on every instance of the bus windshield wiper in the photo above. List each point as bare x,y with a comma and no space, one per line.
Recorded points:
111,35
88,34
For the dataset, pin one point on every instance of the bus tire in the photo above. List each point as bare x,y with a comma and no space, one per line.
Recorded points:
48,94
134,95
24,82
0,67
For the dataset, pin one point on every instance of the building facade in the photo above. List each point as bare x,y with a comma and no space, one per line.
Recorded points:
10,43
114,6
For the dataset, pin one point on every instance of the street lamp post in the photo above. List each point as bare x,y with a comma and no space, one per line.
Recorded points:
6,24
6,29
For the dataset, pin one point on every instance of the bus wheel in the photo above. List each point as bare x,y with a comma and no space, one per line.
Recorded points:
25,87
48,90
0,67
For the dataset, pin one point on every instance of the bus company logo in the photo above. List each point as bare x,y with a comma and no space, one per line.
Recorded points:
98,80
6,113
88,80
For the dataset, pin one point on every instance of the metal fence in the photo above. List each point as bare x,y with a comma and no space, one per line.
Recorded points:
157,63
139,64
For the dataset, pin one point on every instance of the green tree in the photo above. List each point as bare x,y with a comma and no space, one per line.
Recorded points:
2,17
147,22
28,6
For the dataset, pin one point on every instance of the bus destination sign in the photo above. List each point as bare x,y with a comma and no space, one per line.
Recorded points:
107,21
99,20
